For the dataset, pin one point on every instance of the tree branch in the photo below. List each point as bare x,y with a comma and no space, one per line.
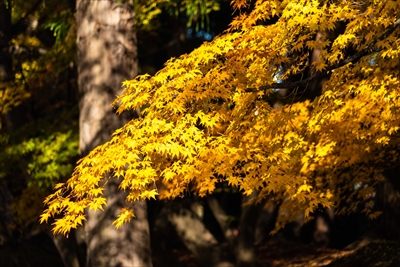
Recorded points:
27,13
353,59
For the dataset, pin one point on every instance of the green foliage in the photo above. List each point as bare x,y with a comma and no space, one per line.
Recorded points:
34,159
39,139
48,158
60,23
43,156
196,11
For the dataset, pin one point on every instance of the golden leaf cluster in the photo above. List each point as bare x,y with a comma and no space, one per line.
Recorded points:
201,124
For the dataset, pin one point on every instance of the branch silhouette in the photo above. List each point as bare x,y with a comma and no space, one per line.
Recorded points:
353,59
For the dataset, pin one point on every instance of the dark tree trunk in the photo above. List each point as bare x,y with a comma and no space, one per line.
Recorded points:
5,36
5,75
182,216
107,55
246,254
222,219
67,248
388,201
266,221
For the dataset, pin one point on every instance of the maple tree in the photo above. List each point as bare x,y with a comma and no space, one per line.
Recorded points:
205,117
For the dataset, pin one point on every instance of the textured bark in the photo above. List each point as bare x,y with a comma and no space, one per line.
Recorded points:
107,55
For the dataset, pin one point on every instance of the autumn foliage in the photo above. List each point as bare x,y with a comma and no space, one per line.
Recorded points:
206,119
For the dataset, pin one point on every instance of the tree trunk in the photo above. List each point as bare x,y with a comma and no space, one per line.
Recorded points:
5,75
67,248
266,221
107,55
222,219
388,201
5,36
246,254
194,234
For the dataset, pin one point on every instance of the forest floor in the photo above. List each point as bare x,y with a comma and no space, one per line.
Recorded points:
371,253
366,253
39,251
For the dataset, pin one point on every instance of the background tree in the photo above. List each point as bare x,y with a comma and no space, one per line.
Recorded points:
107,55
